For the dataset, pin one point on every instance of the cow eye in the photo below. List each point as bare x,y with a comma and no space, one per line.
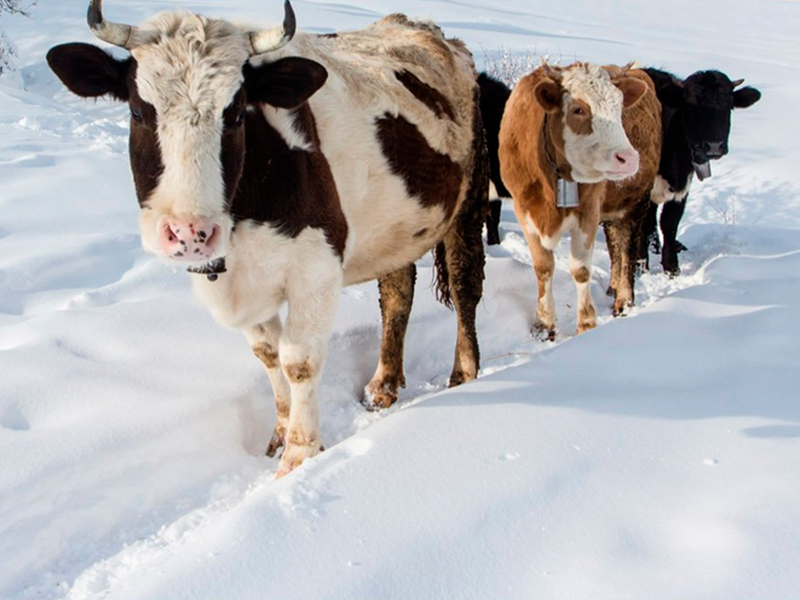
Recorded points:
137,116
239,119
578,111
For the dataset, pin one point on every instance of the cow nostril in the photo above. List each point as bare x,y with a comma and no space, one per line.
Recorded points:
620,158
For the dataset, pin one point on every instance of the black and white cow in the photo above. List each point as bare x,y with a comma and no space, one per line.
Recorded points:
281,167
696,118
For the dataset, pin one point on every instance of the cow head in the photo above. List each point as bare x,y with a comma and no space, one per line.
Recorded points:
584,105
190,86
707,99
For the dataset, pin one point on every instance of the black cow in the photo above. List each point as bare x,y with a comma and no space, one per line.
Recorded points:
494,95
696,117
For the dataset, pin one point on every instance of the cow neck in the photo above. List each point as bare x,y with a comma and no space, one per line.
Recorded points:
550,151
676,156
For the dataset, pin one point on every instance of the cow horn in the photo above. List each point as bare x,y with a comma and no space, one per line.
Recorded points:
737,83
552,73
113,33
272,39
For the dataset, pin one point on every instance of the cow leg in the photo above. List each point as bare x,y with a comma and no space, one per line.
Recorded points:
638,220
264,340
464,259
544,326
670,219
613,242
580,267
396,296
493,222
650,239
303,348
460,259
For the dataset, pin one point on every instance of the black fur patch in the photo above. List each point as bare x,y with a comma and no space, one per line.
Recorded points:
430,176
288,188
430,97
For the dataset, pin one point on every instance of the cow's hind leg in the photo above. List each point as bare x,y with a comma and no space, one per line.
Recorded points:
493,222
264,340
397,294
670,219
460,260
461,256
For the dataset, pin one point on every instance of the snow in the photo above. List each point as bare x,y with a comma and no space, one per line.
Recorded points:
654,457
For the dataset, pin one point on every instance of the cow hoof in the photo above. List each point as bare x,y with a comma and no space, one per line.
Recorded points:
584,327
543,333
459,377
293,456
379,396
621,308
275,444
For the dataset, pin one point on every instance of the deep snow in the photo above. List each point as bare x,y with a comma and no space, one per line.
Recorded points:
655,457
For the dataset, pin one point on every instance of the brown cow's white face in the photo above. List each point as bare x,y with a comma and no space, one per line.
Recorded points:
590,105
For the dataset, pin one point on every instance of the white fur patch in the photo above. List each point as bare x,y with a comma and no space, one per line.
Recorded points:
662,193
568,223
592,156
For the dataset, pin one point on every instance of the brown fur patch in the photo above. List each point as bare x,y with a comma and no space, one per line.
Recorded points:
291,189
267,354
299,437
580,124
430,176
430,97
299,372
582,275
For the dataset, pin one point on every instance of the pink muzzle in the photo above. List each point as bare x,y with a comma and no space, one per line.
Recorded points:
189,239
626,163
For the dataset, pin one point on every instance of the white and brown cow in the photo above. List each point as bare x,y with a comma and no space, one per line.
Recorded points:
566,123
281,167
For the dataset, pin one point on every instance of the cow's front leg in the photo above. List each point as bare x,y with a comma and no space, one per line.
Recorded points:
580,267
397,294
544,326
303,347
264,340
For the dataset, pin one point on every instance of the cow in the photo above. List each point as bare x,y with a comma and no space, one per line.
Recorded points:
566,124
280,166
494,96
696,121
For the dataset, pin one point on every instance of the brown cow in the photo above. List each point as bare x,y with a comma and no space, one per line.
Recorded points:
566,123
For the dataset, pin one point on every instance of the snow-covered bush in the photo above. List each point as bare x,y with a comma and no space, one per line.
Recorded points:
7,51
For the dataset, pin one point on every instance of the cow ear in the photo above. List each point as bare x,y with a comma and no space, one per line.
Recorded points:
548,94
747,96
632,90
89,71
286,83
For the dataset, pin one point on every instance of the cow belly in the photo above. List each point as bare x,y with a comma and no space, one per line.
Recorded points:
389,234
